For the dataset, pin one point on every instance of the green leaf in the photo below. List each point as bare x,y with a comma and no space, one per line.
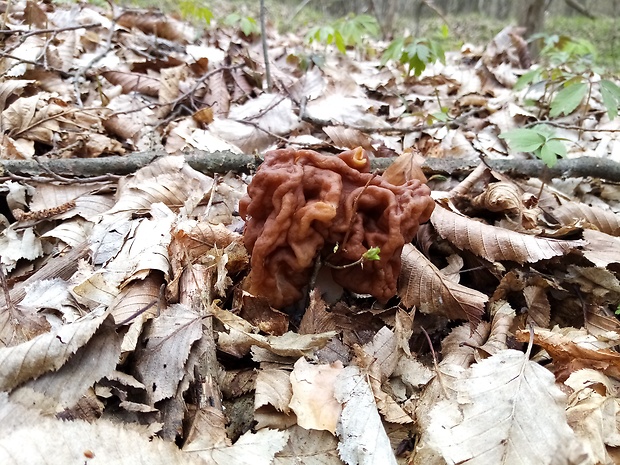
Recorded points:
523,139
440,116
445,32
372,254
394,51
568,99
611,97
548,156
527,79
340,43
551,150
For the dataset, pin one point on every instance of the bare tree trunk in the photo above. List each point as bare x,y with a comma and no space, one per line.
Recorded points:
531,15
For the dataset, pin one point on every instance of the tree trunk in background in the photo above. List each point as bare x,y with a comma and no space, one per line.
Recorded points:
531,15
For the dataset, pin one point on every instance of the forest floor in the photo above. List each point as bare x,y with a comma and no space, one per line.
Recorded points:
330,256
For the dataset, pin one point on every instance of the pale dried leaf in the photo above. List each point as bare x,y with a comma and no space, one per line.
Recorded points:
508,411
208,429
12,88
136,303
538,308
601,283
422,285
32,118
501,197
256,448
160,365
273,387
62,389
18,244
363,439
47,352
347,138
313,398
601,249
377,368
604,220
503,316
71,232
310,446
50,294
134,82
242,336
494,243
168,180
592,413
28,438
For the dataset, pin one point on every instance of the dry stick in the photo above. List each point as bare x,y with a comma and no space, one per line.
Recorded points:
263,38
45,31
225,161
36,63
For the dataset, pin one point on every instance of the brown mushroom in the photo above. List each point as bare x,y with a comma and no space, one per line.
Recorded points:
301,204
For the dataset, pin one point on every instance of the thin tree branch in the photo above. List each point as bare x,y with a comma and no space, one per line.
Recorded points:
224,161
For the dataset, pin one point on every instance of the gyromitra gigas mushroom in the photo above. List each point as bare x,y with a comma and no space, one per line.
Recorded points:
301,204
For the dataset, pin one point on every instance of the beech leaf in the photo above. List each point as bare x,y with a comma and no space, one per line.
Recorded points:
508,410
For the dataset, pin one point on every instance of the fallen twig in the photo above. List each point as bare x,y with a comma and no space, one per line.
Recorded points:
224,161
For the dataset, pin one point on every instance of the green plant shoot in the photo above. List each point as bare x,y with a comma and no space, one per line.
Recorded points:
372,254
539,140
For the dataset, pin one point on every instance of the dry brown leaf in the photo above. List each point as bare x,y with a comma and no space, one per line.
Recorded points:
601,249
47,352
316,448
347,138
503,316
134,82
494,243
155,23
218,97
406,167
161,362
604,220
273,387
58,390
571,355
538,308
423,286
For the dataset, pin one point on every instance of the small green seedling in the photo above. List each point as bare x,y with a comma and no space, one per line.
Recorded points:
345,32
539,140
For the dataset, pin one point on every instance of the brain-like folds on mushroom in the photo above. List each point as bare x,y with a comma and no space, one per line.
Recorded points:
302,204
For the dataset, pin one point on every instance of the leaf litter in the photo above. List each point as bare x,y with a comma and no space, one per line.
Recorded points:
127,332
